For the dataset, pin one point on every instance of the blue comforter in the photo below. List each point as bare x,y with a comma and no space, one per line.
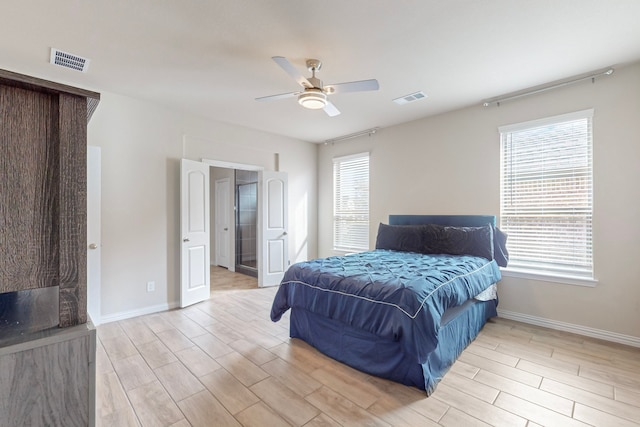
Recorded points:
396,295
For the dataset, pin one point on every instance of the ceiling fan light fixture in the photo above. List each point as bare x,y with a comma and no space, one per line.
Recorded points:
313,99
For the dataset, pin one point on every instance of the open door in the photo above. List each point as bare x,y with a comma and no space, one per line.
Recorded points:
273,243
194,228
93,233
222,221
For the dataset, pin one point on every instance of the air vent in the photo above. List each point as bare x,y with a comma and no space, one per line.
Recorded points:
69,60
410,98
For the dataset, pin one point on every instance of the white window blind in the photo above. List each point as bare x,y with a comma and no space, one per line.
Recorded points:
546,195
351,203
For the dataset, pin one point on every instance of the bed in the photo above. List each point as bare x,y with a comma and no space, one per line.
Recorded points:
407,309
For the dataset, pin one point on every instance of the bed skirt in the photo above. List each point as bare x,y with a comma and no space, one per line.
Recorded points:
385,358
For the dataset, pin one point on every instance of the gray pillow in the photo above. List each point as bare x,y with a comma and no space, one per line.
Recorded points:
477,241
437,239
406,238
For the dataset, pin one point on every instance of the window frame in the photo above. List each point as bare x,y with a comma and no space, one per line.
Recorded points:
357,216
538,273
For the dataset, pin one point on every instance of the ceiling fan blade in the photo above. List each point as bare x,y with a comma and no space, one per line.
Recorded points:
331,110
279,96
291,70
358,86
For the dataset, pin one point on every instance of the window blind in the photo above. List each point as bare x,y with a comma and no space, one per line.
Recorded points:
351,203
547,194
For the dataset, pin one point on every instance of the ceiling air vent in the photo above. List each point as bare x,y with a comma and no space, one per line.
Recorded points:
69,60
410,98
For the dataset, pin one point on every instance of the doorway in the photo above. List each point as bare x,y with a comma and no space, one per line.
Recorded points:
234,219
271,236
246,235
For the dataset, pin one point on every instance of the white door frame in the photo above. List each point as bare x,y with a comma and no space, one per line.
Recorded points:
232,165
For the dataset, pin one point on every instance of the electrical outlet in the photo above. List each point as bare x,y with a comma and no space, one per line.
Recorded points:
151,286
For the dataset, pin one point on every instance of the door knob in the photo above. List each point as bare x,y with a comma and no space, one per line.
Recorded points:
185,240
93,246
225,229
284,233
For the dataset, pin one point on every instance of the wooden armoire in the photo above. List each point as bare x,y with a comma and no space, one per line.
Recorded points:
47,374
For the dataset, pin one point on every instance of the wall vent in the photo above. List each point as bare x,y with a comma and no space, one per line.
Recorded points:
410,98
69,60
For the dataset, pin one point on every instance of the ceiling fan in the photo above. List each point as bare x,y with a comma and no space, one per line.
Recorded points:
314,94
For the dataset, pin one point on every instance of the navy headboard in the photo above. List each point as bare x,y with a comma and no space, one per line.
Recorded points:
450,220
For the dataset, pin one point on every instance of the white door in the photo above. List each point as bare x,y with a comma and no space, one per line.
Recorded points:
194,228
274,242
223,230
93,233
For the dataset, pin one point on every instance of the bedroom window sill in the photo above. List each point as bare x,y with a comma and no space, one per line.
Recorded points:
340,252
565,280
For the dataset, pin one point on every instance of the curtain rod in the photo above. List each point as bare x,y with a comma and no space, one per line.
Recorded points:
549,86
368,132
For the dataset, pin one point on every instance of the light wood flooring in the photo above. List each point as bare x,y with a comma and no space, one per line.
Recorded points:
224,363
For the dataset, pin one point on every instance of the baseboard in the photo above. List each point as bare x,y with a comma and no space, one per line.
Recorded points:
569,327
138,312
524,318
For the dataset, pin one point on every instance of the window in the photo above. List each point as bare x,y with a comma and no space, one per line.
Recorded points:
546,201
351,203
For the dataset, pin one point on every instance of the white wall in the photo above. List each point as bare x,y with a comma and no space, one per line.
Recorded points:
142,144
449,164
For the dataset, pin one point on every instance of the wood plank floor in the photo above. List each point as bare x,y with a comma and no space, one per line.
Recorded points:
224,363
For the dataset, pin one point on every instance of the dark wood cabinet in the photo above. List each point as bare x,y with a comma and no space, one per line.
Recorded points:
47,376
43,143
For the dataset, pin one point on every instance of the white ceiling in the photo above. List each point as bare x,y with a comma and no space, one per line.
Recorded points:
212,57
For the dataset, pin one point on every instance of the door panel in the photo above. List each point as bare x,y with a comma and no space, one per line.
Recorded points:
223,230
196,202
275,260
275,193
197,266
194,227
274,241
